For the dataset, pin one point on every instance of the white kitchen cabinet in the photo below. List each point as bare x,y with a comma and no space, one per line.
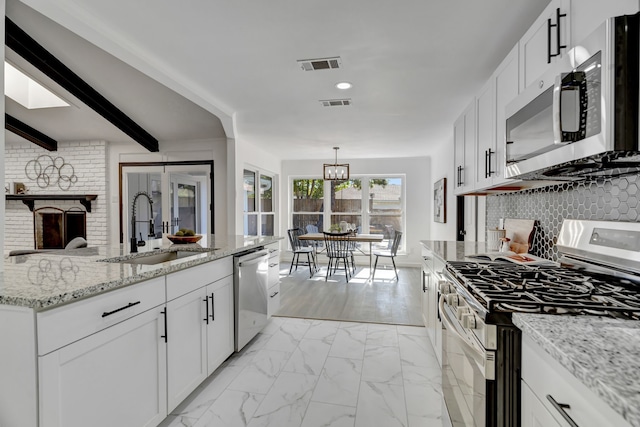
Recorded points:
273,281
200,326
544,380
541,47
186,345
506,86
485,134
431,268
220,340
534,414
465,150
586,16
116,377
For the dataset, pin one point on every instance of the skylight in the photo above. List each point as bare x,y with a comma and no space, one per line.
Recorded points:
27,92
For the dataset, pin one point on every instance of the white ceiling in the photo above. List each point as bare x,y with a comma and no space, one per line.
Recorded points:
414,64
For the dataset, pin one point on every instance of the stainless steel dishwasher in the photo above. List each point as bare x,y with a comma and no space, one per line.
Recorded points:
250,281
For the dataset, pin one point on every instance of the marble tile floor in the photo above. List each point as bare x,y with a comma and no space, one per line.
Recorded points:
312,373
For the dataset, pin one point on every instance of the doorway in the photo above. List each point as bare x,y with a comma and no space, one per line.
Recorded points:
181,195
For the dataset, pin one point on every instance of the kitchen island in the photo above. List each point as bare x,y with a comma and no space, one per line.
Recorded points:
48,279
104,337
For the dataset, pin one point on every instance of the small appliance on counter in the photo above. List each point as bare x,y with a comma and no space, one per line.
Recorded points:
599,275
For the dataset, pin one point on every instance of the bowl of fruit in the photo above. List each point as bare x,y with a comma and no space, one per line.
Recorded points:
183,236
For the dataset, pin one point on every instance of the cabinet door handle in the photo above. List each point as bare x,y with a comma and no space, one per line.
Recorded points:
560,407
558,28
486,164
273,265
206,306
166,334
274,294
109,313
549,55
213,309
490,152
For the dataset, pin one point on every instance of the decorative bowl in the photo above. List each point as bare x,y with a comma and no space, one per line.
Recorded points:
184,239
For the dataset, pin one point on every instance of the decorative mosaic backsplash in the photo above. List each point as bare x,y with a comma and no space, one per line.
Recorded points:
611,199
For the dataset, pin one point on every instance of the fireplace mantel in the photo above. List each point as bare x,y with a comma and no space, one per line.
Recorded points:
29,199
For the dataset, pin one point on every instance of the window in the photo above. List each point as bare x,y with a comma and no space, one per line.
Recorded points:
308,204
386,212
267,218
370,204
346,204
258,216
250,215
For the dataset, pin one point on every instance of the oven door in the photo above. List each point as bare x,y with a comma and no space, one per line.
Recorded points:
468,372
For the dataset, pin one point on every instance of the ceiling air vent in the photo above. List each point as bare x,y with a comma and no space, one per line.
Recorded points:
335,102
319,64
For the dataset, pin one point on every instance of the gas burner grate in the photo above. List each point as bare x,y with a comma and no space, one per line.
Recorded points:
556,290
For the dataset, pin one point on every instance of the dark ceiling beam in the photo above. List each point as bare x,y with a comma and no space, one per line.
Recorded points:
25,46
30,134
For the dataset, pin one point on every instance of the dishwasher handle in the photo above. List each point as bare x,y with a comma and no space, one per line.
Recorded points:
252,258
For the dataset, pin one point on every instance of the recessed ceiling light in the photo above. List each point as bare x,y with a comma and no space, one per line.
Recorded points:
344,85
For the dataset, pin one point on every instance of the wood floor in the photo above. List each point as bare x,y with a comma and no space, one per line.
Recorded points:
384,300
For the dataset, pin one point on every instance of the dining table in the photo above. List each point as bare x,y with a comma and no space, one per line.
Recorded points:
361,238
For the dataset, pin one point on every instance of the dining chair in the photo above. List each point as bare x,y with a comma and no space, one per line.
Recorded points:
337,246
389,253
298,249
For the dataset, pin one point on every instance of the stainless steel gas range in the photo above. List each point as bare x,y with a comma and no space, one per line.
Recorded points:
598,274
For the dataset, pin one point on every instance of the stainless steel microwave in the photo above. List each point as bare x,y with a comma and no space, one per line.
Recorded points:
583,119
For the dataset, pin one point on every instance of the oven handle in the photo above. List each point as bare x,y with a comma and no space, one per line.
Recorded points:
450,326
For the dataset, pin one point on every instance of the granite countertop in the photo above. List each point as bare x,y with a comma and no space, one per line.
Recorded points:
47,279
450,250
600,352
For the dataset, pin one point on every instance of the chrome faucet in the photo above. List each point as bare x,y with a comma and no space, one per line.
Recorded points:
134,240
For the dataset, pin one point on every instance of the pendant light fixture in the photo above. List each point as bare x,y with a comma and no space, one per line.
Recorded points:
335,171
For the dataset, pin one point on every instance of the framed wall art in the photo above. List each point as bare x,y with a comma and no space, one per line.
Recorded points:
440,201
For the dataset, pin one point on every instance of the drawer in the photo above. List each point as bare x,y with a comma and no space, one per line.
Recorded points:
61,326
188,280
546,377
273,305
274,271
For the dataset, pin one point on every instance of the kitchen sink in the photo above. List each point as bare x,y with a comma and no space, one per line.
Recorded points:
158,258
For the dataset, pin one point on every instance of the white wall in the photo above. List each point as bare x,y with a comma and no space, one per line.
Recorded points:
89,162
419,192
170,151
442,167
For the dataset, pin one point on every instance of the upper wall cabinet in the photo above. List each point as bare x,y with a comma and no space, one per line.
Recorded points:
531,66
501,89
587,15
545,43
464,138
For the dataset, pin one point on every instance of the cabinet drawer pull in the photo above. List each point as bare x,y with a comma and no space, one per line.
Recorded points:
274,294
206,306
272,265
272,250
213,310
560,407
109,313
166,333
